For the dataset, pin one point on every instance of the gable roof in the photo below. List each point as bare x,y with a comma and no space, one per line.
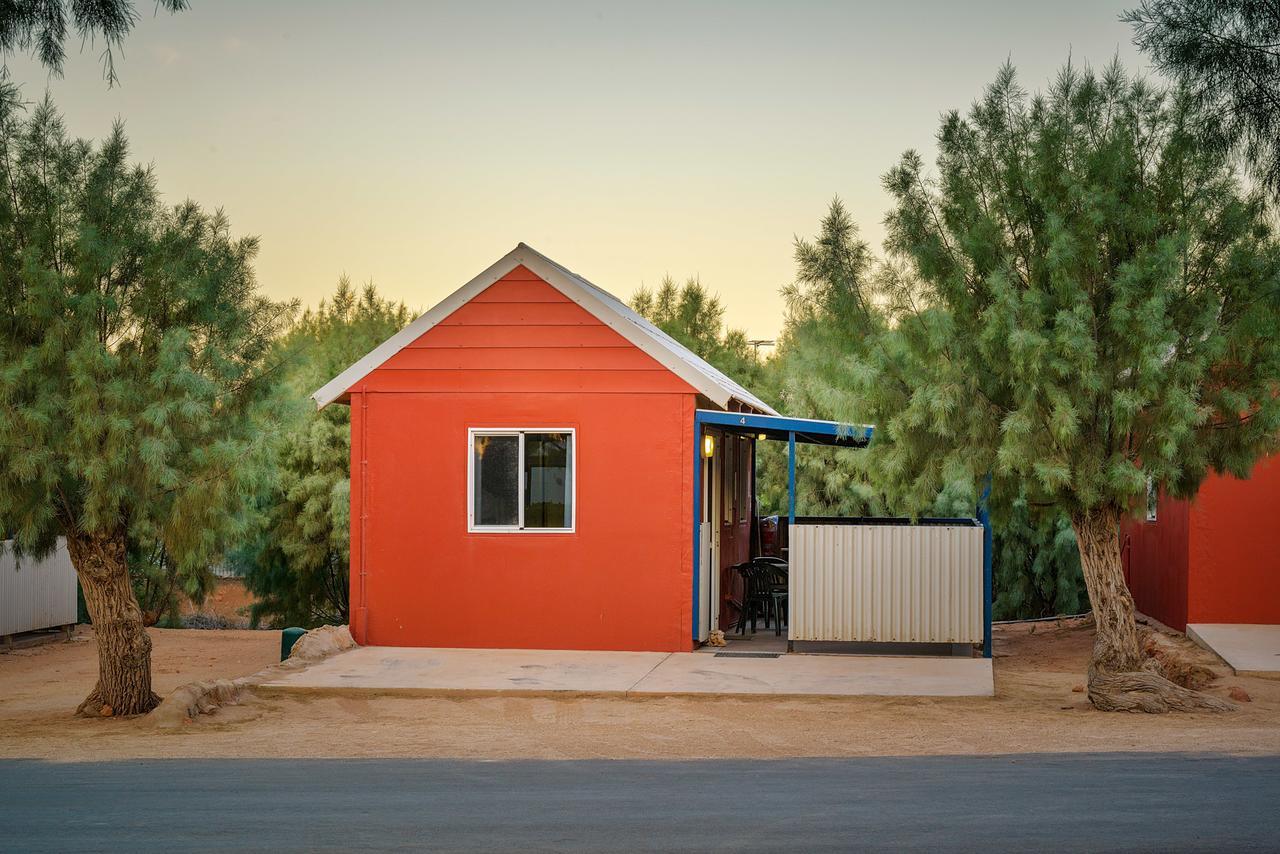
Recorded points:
604,306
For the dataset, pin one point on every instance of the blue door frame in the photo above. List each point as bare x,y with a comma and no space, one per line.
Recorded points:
813,432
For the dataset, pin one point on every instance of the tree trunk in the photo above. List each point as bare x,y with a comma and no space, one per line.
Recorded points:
124,648
1121,678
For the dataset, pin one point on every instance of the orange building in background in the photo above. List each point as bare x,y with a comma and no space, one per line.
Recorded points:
1214,559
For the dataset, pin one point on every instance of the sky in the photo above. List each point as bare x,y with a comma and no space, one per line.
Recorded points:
413,144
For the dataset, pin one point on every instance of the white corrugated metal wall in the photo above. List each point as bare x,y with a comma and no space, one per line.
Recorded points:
892,583
36,594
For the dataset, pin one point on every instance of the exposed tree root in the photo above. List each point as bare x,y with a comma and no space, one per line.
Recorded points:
200,698
1145,691
92,705
1165,659
95,706
1125,675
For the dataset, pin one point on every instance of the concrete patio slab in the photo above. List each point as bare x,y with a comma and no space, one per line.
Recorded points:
428,672
821,676
1250,650
448,671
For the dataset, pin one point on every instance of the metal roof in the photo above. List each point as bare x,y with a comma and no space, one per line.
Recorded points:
809,431
613,312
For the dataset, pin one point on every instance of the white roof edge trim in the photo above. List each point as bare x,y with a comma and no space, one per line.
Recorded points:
707,380
374,359
619,317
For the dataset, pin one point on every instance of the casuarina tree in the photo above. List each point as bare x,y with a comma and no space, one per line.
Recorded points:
297,564
694,316
828,320
41,28
1227,55
1091,302
132,350
838,316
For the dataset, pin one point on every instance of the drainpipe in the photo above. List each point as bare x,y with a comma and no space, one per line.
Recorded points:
364,514
984,516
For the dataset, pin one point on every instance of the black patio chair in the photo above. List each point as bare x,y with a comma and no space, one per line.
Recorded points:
776,583
739,603
756,597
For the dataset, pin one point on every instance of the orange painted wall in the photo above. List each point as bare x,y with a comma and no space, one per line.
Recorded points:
1155,561
1215,559
522,355
1235,549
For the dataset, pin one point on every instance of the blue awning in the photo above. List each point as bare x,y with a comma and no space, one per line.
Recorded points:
808,431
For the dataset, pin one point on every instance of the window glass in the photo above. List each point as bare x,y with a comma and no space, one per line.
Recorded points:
497,485
547,479
1153,496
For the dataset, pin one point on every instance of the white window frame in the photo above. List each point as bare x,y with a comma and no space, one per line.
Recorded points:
518,528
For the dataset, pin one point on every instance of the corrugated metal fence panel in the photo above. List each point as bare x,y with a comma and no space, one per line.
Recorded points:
36,594
895,583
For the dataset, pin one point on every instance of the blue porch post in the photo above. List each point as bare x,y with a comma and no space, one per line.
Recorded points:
791,480
697,518
984,516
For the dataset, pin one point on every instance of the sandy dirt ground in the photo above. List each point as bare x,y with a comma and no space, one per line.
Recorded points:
1035,710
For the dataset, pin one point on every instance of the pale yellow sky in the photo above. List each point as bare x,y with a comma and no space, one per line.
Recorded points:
415,143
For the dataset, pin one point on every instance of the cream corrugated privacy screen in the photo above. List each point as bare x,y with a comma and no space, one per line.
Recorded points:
894,583
36,594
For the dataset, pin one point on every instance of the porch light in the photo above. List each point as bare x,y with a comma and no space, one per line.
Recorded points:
708,445
760,437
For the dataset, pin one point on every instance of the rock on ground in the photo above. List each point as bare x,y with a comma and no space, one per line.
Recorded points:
321,643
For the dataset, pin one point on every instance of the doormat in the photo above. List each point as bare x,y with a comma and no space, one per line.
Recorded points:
748,655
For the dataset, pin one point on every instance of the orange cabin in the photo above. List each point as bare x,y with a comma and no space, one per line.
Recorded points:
522,465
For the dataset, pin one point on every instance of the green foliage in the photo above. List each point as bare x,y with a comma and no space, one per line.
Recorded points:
1082,298
694,316
1092,301
1226,53
838,312
297,565
133,344
159,585
826,325
1035,564
40,27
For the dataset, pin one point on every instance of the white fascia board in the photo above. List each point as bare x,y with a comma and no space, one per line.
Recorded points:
374,359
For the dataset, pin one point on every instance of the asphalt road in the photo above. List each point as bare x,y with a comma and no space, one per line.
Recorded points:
1006,803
